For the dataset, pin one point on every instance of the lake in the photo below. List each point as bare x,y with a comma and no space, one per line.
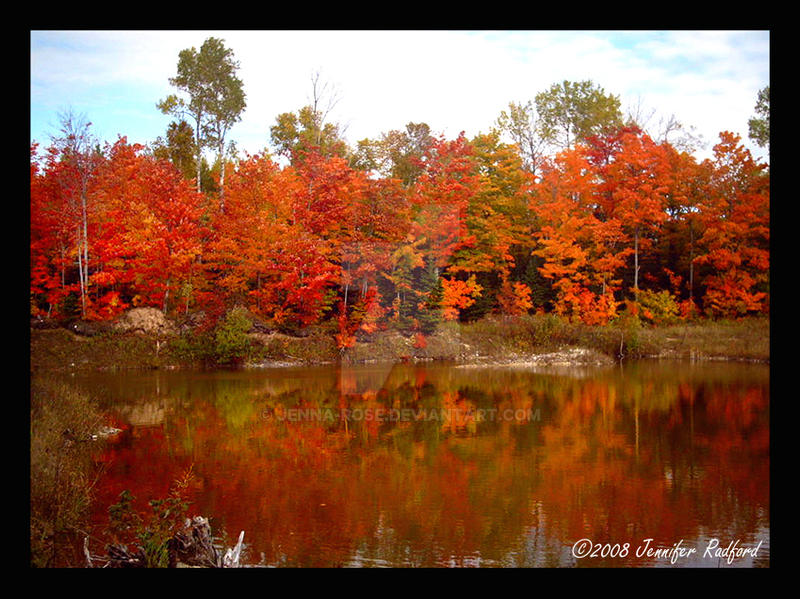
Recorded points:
440,465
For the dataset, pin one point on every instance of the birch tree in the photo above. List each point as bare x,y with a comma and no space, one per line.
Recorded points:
215,102
78,152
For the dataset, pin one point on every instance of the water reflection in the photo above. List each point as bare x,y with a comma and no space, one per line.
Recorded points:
436,465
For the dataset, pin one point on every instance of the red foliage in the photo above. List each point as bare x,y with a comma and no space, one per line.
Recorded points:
294,242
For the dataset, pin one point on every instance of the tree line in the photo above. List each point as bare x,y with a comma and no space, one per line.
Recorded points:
563,207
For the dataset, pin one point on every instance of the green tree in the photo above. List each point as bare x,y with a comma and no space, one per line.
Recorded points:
570,112
397,154
759,125
295,134
179,148
216,98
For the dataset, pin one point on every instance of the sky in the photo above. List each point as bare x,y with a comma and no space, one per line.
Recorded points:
453,80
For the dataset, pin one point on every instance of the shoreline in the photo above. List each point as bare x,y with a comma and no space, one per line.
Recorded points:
535,341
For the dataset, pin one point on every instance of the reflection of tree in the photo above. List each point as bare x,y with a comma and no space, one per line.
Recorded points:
467,490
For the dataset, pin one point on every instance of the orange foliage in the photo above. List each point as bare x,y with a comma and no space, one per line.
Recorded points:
458,295
294,241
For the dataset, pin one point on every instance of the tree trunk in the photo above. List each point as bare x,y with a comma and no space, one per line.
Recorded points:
221,153
691,262
636,262
198,119
166,296
81,277
85,253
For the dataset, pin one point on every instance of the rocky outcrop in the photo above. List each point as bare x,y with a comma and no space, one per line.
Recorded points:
145,320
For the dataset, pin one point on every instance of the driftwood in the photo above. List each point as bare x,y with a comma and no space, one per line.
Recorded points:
231,559
191,547
120,557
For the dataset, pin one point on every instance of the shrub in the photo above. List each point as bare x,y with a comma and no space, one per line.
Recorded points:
658,307
232,345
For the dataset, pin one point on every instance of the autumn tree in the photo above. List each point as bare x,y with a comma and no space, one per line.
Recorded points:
638,179
683,228
152,235
583,251
73,162
735,241
499,225
50,241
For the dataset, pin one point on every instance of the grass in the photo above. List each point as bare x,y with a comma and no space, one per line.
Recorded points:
62,422
60,349
627,338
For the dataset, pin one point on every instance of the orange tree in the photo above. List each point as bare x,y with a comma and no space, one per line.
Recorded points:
735,244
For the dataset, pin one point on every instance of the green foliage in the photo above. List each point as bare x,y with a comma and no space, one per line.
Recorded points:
215,96
232,345
759,125
71,307
396,154
295,134
629,326
430,314
573,111
179,148
151,532
658,307
227,343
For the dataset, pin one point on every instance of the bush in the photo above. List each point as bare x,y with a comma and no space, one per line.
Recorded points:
227,343
232,343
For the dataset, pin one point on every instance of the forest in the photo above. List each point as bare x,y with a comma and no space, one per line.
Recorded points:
564,206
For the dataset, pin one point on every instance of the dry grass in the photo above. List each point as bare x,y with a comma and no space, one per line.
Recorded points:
62,422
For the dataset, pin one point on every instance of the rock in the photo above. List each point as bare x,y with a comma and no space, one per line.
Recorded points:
43,324
572,357
261,327
88,328
568,358
144,320
107,431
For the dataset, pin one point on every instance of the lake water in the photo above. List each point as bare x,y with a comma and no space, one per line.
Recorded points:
431,465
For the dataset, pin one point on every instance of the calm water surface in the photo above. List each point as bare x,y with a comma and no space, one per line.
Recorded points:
442,465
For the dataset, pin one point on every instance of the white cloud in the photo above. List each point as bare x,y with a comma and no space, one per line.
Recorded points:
453,80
